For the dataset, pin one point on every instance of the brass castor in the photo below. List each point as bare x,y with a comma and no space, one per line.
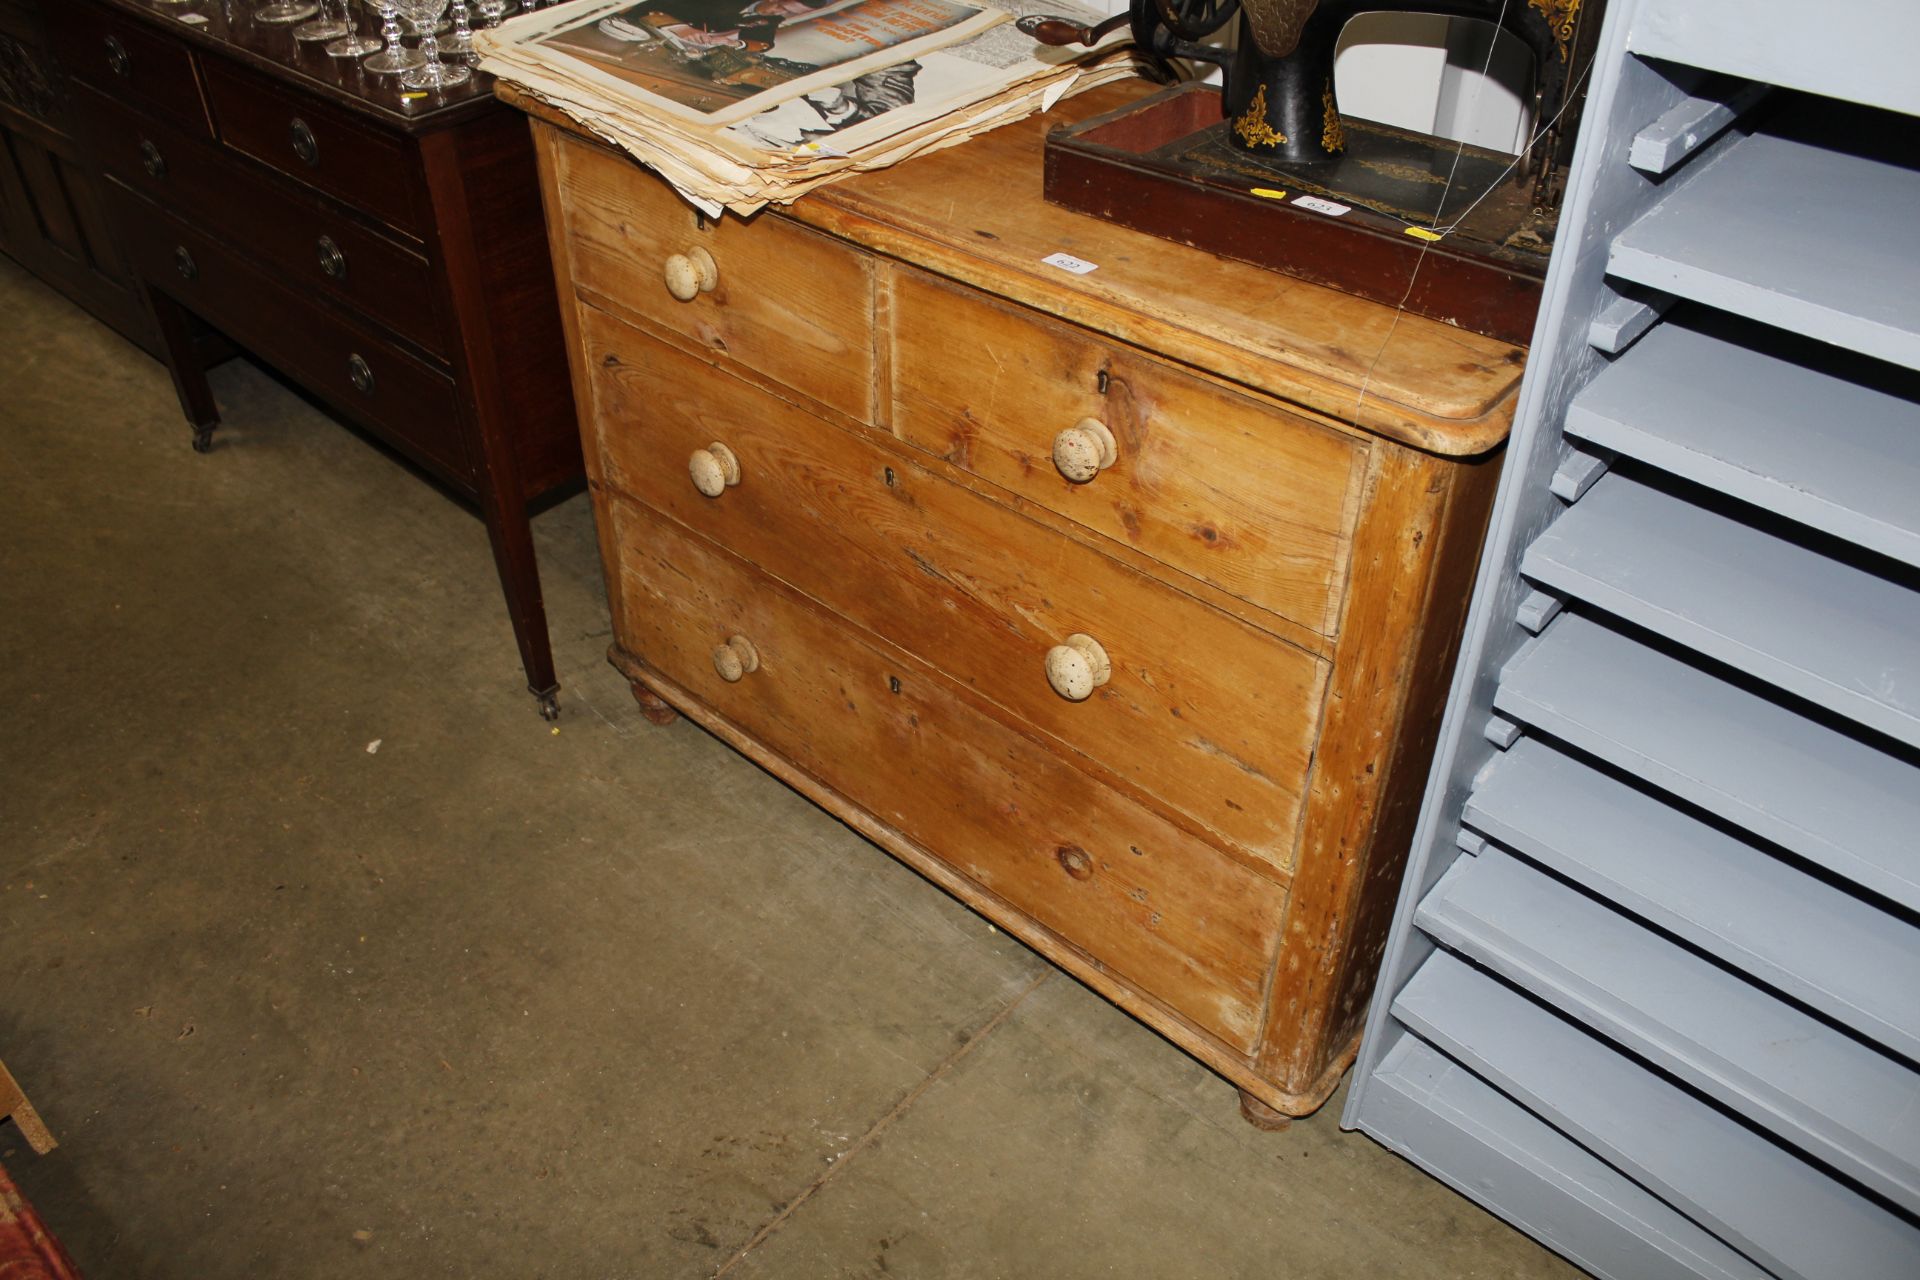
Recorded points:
652,706
1261,1116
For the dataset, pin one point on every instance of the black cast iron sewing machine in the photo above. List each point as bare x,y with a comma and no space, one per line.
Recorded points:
1268,170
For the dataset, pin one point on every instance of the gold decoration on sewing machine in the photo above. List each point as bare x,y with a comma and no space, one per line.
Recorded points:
1333,135
1562,16
1252,125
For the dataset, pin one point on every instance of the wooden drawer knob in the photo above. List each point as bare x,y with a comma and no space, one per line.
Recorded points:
1084,450
736,658
1078,667
691,273
713,469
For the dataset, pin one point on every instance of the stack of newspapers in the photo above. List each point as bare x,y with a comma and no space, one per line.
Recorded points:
744,103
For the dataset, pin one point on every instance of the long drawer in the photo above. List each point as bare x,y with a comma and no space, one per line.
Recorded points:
1210,716
318,146
406,400
1155,906
1255,500
128,59
303,238
785,302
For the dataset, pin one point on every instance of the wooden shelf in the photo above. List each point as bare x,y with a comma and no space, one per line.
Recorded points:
1789,1216
1733,900
1804,237
1842,637
1836,454
1835,800
1809,1083
1450,1122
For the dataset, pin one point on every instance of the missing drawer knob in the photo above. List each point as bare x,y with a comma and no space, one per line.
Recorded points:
691,274
714,469
117,60
1084,450
152,161
333,263
305,145
1078,667
736,658
361,374
1075,861
183,263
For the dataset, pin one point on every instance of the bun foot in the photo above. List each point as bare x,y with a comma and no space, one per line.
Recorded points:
1261,1116
652,706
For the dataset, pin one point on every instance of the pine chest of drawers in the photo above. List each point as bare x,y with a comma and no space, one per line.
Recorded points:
1121,605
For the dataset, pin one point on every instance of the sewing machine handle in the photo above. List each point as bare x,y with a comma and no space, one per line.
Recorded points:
1058,31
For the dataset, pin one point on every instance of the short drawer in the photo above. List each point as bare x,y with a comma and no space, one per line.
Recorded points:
405,400
1212,717
1159,909
1244,495
785,302
306,242
318,146
127,59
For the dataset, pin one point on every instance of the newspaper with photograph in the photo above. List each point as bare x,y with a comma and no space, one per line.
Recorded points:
742,103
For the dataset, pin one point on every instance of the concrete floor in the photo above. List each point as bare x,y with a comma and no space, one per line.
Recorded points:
496,1000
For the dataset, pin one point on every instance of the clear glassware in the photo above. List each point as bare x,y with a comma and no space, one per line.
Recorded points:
460,43
281,12
326,26
352,44
433,74
492,12
396,57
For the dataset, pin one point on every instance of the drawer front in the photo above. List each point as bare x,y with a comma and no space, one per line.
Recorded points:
1157,907
128,60
319,147
1245,496
1211,716
308,244
787,303
405,400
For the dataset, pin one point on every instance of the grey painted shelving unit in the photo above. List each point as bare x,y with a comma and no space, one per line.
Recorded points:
1653,990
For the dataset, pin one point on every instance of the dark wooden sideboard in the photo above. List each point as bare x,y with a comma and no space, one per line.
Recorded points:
388,256
52,218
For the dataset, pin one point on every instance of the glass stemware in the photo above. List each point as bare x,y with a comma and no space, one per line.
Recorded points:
281,12
326,26
352,44
460,43
433,74
396,57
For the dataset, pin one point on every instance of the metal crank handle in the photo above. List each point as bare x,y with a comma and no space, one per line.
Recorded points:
1059,31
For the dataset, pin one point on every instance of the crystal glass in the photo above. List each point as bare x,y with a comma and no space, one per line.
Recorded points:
492,12
460,43
281,12
396,57
433,74
352,44
326,26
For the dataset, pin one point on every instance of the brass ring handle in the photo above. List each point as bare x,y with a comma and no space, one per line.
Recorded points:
117,56
736,658
333,263
714,469
691,274
183,263
152,161
1078,667
360,373
1084,450
305,145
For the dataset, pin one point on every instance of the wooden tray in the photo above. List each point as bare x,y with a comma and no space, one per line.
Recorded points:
1163,166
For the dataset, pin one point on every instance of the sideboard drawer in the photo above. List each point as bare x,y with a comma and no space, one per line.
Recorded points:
304,239
785,302
404,399
1209,715
317,146
1243,495
128,60
1144,899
